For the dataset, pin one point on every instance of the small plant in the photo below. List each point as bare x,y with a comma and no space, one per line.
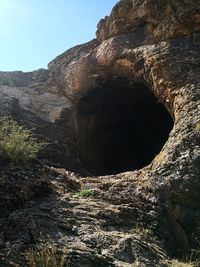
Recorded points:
176,263
142,232
17,143
197,126
46,257
85,193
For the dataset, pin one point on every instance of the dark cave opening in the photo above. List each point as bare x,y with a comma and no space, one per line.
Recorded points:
121,126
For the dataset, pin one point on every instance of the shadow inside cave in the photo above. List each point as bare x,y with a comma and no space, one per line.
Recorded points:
121,126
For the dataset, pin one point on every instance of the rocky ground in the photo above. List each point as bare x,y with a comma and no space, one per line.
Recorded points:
134,218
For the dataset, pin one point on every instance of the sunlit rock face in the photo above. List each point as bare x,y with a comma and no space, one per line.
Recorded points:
158,20
122,112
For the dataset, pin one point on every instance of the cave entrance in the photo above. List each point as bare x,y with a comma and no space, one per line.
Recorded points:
121,126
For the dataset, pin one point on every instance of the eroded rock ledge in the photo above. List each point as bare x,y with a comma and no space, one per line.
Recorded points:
127,106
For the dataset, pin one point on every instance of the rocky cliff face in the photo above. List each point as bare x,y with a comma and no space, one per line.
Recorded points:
121,114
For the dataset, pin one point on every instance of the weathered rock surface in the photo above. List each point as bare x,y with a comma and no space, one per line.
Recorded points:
135,218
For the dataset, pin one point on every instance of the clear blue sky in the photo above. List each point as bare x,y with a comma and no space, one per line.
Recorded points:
33,32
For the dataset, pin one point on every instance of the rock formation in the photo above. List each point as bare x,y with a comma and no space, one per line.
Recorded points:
121,116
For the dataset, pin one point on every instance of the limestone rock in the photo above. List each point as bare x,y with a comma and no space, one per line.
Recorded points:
157,20
121,114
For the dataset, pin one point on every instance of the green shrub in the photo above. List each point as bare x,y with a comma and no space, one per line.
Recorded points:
85,193
17,143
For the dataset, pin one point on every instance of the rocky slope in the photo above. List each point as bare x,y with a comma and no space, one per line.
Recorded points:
121,116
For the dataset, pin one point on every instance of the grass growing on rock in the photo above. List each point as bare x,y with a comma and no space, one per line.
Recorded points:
46,257
85,193
17,143
176,263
